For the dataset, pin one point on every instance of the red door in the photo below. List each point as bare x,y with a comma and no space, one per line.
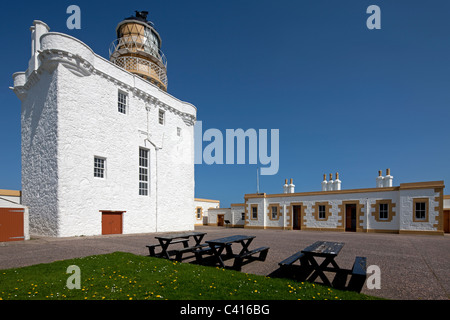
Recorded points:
111,222
11,224
447,221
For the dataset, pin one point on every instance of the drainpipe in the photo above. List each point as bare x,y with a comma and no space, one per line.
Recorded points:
156,166
367,214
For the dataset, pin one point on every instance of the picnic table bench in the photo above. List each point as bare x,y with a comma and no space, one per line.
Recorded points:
217,247
328,251
172,238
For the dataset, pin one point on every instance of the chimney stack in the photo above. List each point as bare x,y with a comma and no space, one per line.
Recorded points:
330,185
388,179
337,182
324,183
380,180
291,187
285,187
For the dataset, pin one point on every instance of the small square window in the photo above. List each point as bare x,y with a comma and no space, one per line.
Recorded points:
243,215
161,117
122,102
179,131
99,167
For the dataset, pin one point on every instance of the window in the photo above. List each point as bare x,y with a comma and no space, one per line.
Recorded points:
99,167
243,215
254,211
143,172
179,131
122,102
322,214
322,211
420,210
161,116
199,212
274,212
384,211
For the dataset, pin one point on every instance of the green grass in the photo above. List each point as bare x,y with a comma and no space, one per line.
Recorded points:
126,276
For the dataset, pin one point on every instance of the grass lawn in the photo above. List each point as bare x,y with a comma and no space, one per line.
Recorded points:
125,276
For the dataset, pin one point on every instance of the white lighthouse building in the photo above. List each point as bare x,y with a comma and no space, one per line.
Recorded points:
105,148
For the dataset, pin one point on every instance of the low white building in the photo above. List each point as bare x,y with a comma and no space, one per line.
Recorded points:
105,149
202,209
408,208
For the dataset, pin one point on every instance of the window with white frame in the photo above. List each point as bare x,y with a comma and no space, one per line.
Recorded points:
243,215
322,214
199,213
179,131
122,102
384,211
99,167
143,172
161,116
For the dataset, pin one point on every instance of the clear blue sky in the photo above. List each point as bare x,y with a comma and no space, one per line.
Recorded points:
344,98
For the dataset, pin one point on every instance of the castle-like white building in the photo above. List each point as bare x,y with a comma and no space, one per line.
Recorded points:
105,149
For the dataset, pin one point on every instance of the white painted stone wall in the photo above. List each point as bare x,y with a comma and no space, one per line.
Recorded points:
70,115
402,218
446,204
406,202
236,215
214,212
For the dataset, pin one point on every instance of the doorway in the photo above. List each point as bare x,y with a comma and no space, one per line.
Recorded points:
350,217
220,219
111,222
297,212
446,221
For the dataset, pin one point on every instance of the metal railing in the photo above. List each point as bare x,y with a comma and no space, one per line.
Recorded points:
143,66
137,43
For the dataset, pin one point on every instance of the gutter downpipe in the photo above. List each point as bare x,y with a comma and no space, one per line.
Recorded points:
156,166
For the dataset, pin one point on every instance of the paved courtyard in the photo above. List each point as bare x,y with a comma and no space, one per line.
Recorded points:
412,266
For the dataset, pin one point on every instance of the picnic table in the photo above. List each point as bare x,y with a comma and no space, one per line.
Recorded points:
165,240
327,250
217,246
309,263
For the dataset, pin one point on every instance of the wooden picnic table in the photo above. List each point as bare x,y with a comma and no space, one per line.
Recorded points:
171,238
217,246
324,249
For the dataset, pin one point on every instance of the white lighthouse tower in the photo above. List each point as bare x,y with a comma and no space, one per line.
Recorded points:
105,148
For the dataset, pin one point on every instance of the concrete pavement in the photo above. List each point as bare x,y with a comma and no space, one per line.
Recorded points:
412,266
